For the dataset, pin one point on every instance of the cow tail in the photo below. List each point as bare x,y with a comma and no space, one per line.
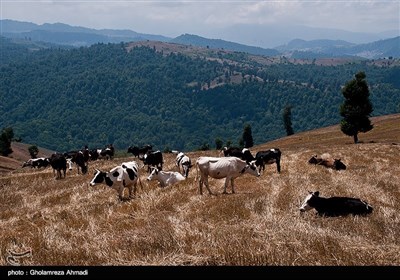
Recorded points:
197,172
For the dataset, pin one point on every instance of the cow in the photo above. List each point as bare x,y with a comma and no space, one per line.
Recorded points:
139,152
335,206
268,157
223,167
77,157
120,177
59,164
183,161
232,152
327,161
153,159
37,162
165,178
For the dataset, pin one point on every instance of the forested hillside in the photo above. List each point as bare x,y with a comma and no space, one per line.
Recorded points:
64,99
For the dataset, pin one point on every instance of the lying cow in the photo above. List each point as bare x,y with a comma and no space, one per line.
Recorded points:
327,161
184,162
120,177
165,178
37,162
335,206
223,167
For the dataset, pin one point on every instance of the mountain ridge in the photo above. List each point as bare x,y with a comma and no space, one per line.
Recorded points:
64,34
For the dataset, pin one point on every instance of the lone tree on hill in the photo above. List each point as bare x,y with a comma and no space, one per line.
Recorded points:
6,136
247,137
287,120
33,151
356,108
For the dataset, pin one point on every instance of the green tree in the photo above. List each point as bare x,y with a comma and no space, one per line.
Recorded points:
287,120
33,151
356,108
218,144
247,137
7,134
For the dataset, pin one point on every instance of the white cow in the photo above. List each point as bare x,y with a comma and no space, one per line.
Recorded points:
183,161
123,176
165,178
223,167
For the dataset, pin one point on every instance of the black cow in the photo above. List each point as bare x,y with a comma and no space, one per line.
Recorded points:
37,162
77,157
153,159
140,152
59,163
232,152
268,157
335,206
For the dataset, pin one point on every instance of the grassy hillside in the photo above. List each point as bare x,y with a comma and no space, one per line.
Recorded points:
66,222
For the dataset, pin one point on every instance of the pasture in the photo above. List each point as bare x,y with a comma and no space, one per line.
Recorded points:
68,222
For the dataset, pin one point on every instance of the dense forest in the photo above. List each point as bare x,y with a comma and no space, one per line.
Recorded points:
63,99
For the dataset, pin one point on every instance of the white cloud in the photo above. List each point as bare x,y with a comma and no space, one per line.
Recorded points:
172,18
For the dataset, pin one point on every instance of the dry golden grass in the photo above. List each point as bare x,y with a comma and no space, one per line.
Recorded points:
67,222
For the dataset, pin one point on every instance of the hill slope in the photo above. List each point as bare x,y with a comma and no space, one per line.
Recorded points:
66,222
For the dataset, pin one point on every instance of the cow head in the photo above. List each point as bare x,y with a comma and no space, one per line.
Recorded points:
313,159
338,165
305,206
251,168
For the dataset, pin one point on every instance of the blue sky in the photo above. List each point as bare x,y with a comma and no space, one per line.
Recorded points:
173,18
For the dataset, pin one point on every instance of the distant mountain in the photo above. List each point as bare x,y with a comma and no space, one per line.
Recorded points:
189,39
338,48
66,35
63,34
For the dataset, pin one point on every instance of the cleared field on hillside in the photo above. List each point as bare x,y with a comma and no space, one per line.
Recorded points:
67,222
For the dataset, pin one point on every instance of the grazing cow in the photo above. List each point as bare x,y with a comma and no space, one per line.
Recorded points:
108,152
153,159
59,163
268,157
232,152
37,162
335,206
183,161
120,177
327,161
140,152
165,178
225,167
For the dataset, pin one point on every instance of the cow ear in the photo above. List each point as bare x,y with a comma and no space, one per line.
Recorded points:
316,193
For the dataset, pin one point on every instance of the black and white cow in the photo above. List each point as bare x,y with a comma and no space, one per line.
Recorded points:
140,152
232,152
153,159
268,157
335,206
59,164
120,177
184,162
37,162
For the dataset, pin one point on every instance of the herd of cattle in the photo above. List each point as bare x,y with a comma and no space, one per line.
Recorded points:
234,163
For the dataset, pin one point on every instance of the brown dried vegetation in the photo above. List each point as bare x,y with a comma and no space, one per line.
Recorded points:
67,222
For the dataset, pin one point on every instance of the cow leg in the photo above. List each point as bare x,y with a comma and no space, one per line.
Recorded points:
226,184
278,166
121,193
206,183
201,186
233,188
